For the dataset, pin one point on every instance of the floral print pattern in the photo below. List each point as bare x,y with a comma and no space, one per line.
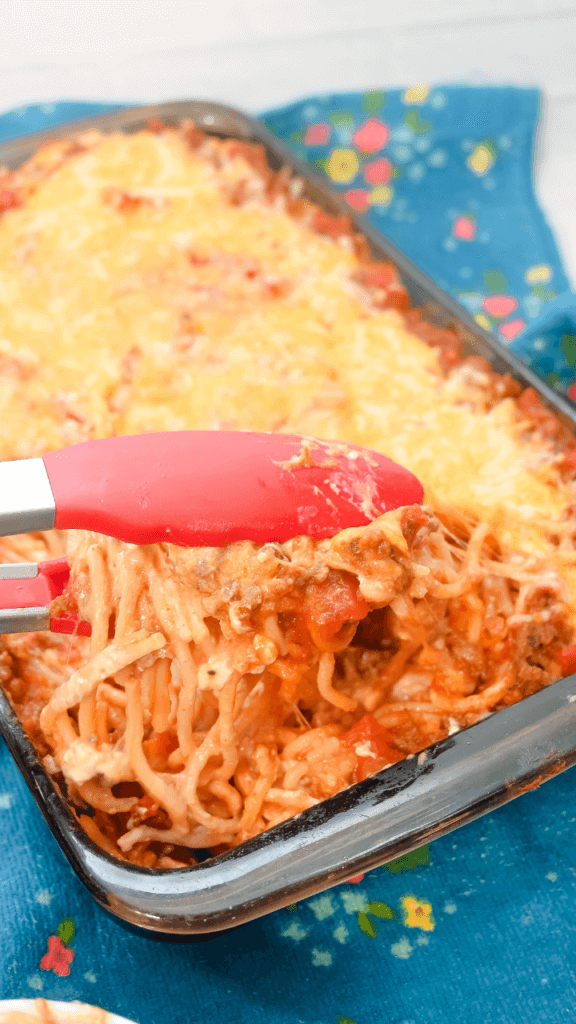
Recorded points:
59,955
417,913
337,910
342,165
446,174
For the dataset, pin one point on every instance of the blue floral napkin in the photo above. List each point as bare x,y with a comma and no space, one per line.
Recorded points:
479,928
446,173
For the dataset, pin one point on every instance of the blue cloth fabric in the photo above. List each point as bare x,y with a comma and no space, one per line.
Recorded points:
480,928
446,173
40,117
548,344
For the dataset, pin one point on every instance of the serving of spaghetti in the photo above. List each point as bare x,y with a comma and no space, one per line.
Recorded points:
167,280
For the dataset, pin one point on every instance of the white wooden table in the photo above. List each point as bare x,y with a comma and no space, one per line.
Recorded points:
258,54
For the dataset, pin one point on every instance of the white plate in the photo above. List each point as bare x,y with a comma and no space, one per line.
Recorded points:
64,1011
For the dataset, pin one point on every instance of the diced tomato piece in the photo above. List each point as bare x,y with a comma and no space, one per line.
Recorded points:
494,630
193,137
444,339
531,404
384,277
253,154
373,745
197,260
10,198
380,275
495,626
449,358
122,201
413,519
507,651
331,605
478,363
295,630
166,743
156,125
567,659
158,749
74,148
533,407
146,807
569,456
326,224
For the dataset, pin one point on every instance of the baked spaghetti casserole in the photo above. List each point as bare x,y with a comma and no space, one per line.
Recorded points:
168,280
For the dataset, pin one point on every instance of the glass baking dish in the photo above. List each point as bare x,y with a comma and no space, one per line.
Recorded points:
406,805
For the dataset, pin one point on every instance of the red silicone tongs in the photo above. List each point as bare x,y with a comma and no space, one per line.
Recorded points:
191,488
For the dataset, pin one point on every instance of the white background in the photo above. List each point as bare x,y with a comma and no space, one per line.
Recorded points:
258,54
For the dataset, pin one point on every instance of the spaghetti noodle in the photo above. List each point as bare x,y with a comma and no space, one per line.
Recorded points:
226,689
167,280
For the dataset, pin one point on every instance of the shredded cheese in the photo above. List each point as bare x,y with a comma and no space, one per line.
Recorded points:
197,313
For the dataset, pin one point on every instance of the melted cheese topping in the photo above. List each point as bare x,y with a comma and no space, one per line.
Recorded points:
186,311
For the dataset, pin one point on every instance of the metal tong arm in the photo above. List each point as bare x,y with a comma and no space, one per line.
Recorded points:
27,502
27,590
